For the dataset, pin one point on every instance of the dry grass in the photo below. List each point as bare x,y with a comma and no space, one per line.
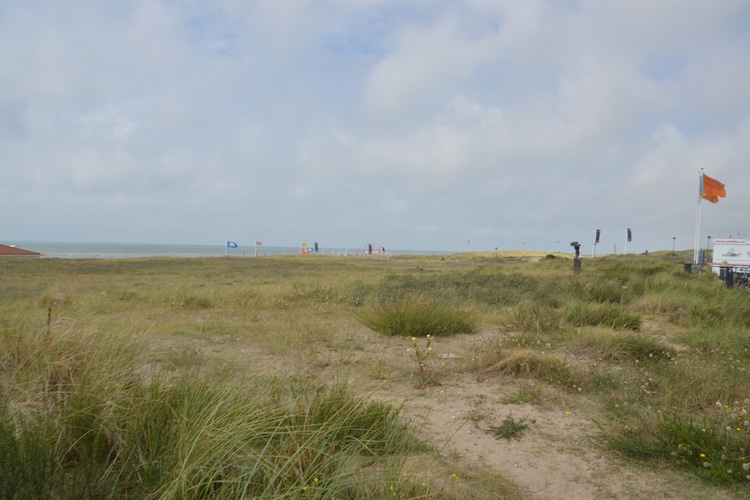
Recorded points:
131,322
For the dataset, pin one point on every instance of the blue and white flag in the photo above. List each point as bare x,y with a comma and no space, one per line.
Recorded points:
231,244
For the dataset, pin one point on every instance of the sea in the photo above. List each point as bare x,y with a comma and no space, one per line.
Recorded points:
79,250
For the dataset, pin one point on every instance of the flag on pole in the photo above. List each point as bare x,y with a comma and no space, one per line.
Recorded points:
231,244
259,243
711,189
630,235
598,232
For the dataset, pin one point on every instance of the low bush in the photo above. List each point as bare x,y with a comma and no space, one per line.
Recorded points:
415,318
609,315
492,357
533,317
715,448
594,289
479,285
631,346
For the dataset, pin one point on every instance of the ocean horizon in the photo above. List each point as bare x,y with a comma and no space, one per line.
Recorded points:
88,250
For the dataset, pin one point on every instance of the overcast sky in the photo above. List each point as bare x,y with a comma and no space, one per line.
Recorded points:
421,125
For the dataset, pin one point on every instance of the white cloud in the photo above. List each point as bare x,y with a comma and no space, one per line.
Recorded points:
425,60
107,124
424,124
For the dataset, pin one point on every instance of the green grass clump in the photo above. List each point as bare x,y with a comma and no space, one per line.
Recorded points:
621,346
198,439
603,292
289,439
495,357
416,318
509,428
715,448
533,317
727,339
526,393
481,285
80,419
609,315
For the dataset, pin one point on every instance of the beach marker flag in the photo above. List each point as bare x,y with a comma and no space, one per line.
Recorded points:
598,232
630,235
259,243
231,244
711,189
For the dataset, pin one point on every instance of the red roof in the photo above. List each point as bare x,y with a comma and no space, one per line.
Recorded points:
11,251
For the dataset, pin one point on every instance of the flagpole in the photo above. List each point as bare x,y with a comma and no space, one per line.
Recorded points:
696,242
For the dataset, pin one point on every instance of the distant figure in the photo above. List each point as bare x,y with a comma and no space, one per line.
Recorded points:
578,251
645,253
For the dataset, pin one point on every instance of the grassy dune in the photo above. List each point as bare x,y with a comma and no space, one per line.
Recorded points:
257,377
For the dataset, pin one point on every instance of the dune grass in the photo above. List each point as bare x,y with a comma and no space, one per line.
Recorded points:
81,420
232,377
416,318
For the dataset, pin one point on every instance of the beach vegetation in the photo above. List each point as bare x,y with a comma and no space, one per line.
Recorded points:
313,376
416,318
510,427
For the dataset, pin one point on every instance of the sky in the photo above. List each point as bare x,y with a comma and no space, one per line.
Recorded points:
447,125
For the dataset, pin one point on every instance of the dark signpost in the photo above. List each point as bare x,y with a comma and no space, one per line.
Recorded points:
577,258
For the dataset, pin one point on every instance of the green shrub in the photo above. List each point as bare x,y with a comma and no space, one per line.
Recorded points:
193,301
533,317
492,357
478,285
310,294
631,347
526,393
509,428
696,379
414,318
727,340
609,315
600,291
715,448
666,303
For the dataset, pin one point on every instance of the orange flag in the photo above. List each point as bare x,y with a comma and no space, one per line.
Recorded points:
711,189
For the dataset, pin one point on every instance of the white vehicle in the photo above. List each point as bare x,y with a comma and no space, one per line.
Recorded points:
731,252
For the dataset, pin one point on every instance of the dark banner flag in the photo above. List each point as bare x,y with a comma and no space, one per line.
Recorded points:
596,241
630,235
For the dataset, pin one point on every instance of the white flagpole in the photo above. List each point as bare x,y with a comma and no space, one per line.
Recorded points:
696,243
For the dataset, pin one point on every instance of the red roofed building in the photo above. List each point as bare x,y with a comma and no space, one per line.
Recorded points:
11,251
